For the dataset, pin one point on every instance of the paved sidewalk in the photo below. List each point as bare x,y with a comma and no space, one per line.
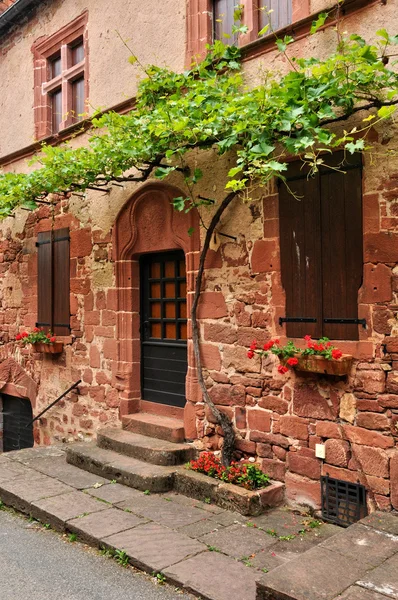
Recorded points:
216,554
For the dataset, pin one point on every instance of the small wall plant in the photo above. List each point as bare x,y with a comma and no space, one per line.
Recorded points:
244,475
289,354
37,336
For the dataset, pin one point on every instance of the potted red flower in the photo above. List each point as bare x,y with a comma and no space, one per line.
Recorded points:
41,342
319,356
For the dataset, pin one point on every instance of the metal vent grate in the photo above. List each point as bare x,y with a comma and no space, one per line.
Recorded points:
343,503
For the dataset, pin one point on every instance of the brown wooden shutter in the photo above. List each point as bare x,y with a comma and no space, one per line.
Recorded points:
321,244
44,269
61,308
300,245
342,245
53,282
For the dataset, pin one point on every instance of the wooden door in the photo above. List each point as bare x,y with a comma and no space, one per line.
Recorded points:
163,328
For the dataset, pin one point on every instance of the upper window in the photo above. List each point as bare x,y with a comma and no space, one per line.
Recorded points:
257,14
61,78
321,248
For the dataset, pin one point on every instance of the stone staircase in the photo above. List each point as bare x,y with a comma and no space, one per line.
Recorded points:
148,454
143,455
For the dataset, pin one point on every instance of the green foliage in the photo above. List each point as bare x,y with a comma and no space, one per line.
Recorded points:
72,537
211,106
121,558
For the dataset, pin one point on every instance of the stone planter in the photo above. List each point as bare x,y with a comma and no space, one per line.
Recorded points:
54,348
319,364
226,495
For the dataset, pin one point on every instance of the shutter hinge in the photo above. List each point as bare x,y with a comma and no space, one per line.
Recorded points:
296,320
346,322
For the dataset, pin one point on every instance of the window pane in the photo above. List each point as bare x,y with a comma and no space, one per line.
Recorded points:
183,310
171,331
155,271
56,109
77,53
78,99
170,310
156,310
169,269
280,17
156,330
155,290
183,331
223,19
55,67
170,290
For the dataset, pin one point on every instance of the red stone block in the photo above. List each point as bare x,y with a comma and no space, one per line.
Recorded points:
378,485
337,452
303,491
371,382
264,450
392,382
80,286
258,420
394,479
265,256
279,452
294,427
302,465
382,502
245,446
108,317
365,405
274,468
212,306
112,399
382,320
254,391
220,332
95,357
388,400
373,420
92,317
274,403
211,358
376,285
358,435
373,461
380,247
308,402
80,243
343,474
110,349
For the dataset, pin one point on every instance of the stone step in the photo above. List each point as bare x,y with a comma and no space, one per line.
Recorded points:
123,469
151,450
155,426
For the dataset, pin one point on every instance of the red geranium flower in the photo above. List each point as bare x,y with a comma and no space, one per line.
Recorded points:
250,354
36,329
282,369
53,338
18,337
292,361
307,338
336,354
24,334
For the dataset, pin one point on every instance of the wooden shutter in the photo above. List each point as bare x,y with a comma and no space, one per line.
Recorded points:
280,17
44,280
342,245
223,20
300,245
322,248
53,282
61,308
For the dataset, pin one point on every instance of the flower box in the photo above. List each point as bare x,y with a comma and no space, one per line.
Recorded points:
53,348
320,364
227,495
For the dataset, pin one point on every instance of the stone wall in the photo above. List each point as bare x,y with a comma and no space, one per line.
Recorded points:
278,419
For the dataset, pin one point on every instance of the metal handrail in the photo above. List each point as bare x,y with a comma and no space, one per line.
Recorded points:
55,402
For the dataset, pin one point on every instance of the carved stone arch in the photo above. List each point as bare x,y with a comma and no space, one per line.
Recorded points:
16,382
147,223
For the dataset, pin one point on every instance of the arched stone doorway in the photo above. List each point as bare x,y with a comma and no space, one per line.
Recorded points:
17,401
146,225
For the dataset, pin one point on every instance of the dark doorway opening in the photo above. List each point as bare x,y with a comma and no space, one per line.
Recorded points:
163,328
17,427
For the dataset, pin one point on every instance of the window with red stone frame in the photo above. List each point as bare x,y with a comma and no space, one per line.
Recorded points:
61,78
210,19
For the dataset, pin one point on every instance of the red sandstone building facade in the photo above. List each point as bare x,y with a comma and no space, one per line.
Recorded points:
124,268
